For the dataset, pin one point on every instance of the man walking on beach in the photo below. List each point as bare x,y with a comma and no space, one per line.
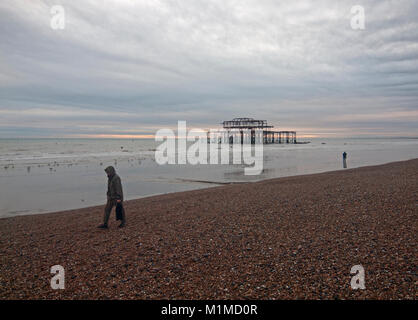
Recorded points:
114,196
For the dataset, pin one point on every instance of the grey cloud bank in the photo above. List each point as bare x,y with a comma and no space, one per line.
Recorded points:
132,67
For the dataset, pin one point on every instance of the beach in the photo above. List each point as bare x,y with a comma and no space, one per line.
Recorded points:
285,238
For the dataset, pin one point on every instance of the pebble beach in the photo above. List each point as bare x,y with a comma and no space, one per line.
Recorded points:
286,238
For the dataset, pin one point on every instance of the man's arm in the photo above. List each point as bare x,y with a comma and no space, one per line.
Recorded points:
118,189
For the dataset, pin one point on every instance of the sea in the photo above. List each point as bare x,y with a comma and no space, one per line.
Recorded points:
48,175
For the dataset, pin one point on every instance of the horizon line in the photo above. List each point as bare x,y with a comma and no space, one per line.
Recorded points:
149,137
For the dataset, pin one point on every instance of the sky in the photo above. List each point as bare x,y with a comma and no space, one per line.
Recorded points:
123,68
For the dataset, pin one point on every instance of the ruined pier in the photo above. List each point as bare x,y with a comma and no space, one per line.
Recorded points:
246,127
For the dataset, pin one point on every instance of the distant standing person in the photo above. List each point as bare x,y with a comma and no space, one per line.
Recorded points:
345,159
114,197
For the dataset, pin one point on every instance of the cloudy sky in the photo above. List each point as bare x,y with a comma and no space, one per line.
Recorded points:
129,68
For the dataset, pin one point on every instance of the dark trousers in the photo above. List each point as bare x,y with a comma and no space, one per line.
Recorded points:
108,209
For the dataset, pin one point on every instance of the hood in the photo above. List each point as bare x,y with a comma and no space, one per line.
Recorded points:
110,171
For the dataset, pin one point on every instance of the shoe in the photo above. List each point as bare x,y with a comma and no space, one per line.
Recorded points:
102,226
121,225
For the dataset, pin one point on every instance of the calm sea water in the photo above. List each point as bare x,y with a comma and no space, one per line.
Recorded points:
46,175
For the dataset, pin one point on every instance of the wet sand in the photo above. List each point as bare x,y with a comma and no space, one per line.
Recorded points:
285,238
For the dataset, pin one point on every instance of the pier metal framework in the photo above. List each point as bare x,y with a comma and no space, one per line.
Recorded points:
249,124
245,123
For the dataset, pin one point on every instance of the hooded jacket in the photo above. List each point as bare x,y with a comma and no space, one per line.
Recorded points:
114,185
